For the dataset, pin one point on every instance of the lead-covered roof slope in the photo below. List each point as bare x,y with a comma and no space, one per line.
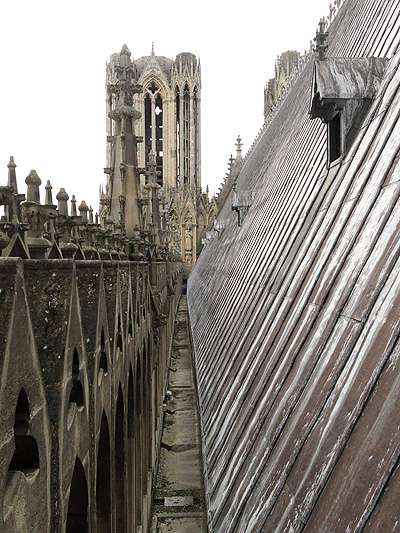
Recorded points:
295,316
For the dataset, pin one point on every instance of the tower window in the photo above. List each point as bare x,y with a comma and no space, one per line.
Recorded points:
158,119
186,134
148,133
153,111
178,147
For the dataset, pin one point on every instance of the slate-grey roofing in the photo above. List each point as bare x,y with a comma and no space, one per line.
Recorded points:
165,65
338,80
295,316
344,77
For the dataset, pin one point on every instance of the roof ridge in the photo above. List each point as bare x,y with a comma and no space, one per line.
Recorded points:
333,11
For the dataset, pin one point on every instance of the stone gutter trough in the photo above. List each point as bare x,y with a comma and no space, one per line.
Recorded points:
179,504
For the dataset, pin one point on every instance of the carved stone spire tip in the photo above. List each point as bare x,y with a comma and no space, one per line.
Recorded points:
320,38
239,145
49,196
125,51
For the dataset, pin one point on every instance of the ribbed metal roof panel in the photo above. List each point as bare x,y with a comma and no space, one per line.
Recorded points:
295,315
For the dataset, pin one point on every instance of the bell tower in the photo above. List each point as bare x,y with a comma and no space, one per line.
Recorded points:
170,123
167,132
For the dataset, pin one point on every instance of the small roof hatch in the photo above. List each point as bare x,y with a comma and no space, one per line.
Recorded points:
337,80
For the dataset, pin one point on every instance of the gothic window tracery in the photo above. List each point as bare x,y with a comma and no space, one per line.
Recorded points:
195,130
153,106
177,120
186,134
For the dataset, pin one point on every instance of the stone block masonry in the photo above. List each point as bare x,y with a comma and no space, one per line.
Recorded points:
83,365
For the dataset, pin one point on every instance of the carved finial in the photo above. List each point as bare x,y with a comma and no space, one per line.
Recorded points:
62,195
124,58
125,51
109,223
11,164
12,177
83,211
320,39
332,10
74,212
322,25
152,48
49,196
239,145
151,169
91,221
33,182
62,198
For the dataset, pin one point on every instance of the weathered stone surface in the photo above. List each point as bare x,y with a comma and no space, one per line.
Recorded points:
179,490
76,368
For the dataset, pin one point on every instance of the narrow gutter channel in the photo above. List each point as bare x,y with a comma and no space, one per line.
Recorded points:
179,505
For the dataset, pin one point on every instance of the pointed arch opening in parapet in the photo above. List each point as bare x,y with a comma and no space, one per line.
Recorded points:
25,458
103,479
139,289
77,395
119,343
120,509
139,440
131,450
130,321
103,363
149,406
77,518
144,309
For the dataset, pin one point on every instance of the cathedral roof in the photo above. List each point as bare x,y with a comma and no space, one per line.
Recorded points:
295,313
164,64
186,58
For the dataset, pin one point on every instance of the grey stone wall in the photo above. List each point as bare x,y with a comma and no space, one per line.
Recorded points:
84,349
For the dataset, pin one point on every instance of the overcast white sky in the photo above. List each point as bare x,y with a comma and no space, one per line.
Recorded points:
53,58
